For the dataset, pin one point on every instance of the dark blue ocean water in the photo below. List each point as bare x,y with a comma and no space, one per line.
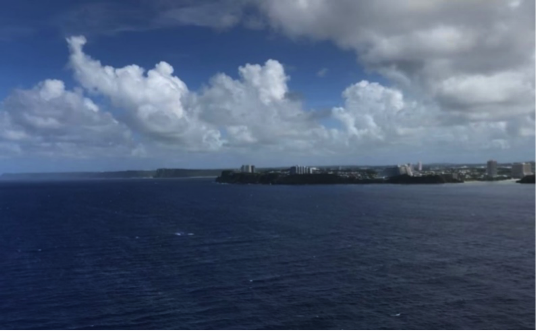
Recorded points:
192,254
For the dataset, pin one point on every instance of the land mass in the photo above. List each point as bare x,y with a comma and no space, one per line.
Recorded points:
129,174
527,180
231,177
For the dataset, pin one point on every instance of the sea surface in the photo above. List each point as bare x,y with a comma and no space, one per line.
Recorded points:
193,254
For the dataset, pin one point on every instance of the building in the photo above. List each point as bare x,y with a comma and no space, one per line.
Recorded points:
398,170
419,166
300,170
492,168
528,169
247,168
409,169
520,170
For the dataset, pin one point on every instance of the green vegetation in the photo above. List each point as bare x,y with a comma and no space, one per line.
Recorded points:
494,179
527,180
231,177
431,179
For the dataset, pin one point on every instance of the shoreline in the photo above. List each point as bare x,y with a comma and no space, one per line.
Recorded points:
241,178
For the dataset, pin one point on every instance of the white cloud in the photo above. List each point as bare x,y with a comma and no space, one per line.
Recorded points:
376,117
50,120
370,110
155,101
254,115
475,56
245,113
256,109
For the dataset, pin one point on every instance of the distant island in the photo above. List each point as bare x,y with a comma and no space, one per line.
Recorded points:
231,177
128,174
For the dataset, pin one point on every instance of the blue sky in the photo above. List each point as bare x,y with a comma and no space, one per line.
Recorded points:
191,50
359,84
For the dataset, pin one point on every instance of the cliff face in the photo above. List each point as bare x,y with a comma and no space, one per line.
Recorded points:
527,180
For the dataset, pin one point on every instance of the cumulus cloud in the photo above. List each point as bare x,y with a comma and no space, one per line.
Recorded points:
473,61
468,57
256,108
371,111
51,120
461,105
228,113
156,101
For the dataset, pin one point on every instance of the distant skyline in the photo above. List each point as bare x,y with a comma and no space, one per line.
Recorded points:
115,85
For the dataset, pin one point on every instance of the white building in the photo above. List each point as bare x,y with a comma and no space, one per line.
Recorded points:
300,170
409,170
520,170
399,170
492,168
247,168
419,166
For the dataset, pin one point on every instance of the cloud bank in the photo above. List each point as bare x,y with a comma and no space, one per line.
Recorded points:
461,73
473,58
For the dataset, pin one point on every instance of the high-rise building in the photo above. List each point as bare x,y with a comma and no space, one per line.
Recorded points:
492,168
527,169
398,170
409,170
300,170
247,168
520,170
419,166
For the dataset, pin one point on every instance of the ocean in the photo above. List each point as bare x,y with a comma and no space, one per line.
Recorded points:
193,254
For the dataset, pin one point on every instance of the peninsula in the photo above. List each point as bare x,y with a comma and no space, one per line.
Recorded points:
128,174
231,177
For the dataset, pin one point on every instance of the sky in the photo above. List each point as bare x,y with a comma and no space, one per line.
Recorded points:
117,85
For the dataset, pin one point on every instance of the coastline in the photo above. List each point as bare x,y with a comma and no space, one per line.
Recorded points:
240,178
